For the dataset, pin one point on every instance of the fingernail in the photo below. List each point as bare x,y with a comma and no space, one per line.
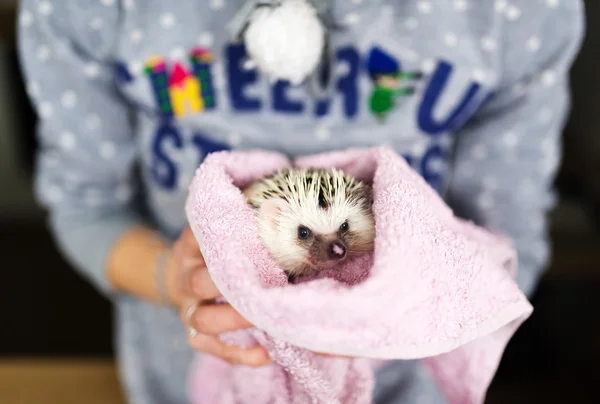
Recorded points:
260,357
192,332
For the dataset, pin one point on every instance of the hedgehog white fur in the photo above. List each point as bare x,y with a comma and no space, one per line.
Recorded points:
313,219
285,41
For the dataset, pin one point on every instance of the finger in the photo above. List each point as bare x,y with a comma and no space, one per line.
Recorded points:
216,319
211,319
254,356
202,286
185,282
187,234
189,260
190,244
187,250
188,255
327,355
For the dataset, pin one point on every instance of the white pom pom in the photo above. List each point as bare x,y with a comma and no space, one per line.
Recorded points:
285,42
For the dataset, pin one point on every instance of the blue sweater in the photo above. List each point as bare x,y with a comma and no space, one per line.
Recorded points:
132,95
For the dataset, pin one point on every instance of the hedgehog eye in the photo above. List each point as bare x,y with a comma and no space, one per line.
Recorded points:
303,233
344,226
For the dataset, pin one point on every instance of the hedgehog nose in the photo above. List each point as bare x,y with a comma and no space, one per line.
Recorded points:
337,250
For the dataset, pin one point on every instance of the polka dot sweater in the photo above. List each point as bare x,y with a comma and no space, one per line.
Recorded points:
131,95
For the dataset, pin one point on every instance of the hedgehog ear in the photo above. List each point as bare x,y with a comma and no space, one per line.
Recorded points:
367,197
272,209
370,197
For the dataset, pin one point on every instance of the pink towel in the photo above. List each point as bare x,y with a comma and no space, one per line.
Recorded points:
436,288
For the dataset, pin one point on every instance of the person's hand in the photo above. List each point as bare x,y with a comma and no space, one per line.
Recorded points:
192,291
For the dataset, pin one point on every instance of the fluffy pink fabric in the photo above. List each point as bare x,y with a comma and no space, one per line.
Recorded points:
436,288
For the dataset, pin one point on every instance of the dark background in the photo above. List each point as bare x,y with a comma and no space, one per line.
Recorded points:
46,309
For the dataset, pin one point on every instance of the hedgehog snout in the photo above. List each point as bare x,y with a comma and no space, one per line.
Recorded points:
336,250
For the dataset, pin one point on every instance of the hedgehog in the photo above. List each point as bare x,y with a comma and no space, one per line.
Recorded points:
312,219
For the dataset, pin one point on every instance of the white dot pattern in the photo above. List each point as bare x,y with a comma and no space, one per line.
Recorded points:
206,39
216,4
177,54
479,76
68,99
91,70
123,193
137,35
387,14
548,77
92,122
46,110
424,7
235,139
93,198
54,194
513,12
342,69
428,66
545,115
167,20
450,39
533,44
33,89
480,152
500,5
437,165
46,8
43,53
488,43
323,133
485,200
96,23
504,165
67,141
518,88
419,147
352,19
460,5
510,139
489,183
411,23
135,67
108,150
219,76
25,18
249,64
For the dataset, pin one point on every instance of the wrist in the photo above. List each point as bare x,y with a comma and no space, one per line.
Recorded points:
161,284
172,282
133,266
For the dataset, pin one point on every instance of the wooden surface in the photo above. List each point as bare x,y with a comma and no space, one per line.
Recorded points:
94,381
46,381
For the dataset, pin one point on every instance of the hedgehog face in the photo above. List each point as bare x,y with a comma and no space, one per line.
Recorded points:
310,235
313,219
329,234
